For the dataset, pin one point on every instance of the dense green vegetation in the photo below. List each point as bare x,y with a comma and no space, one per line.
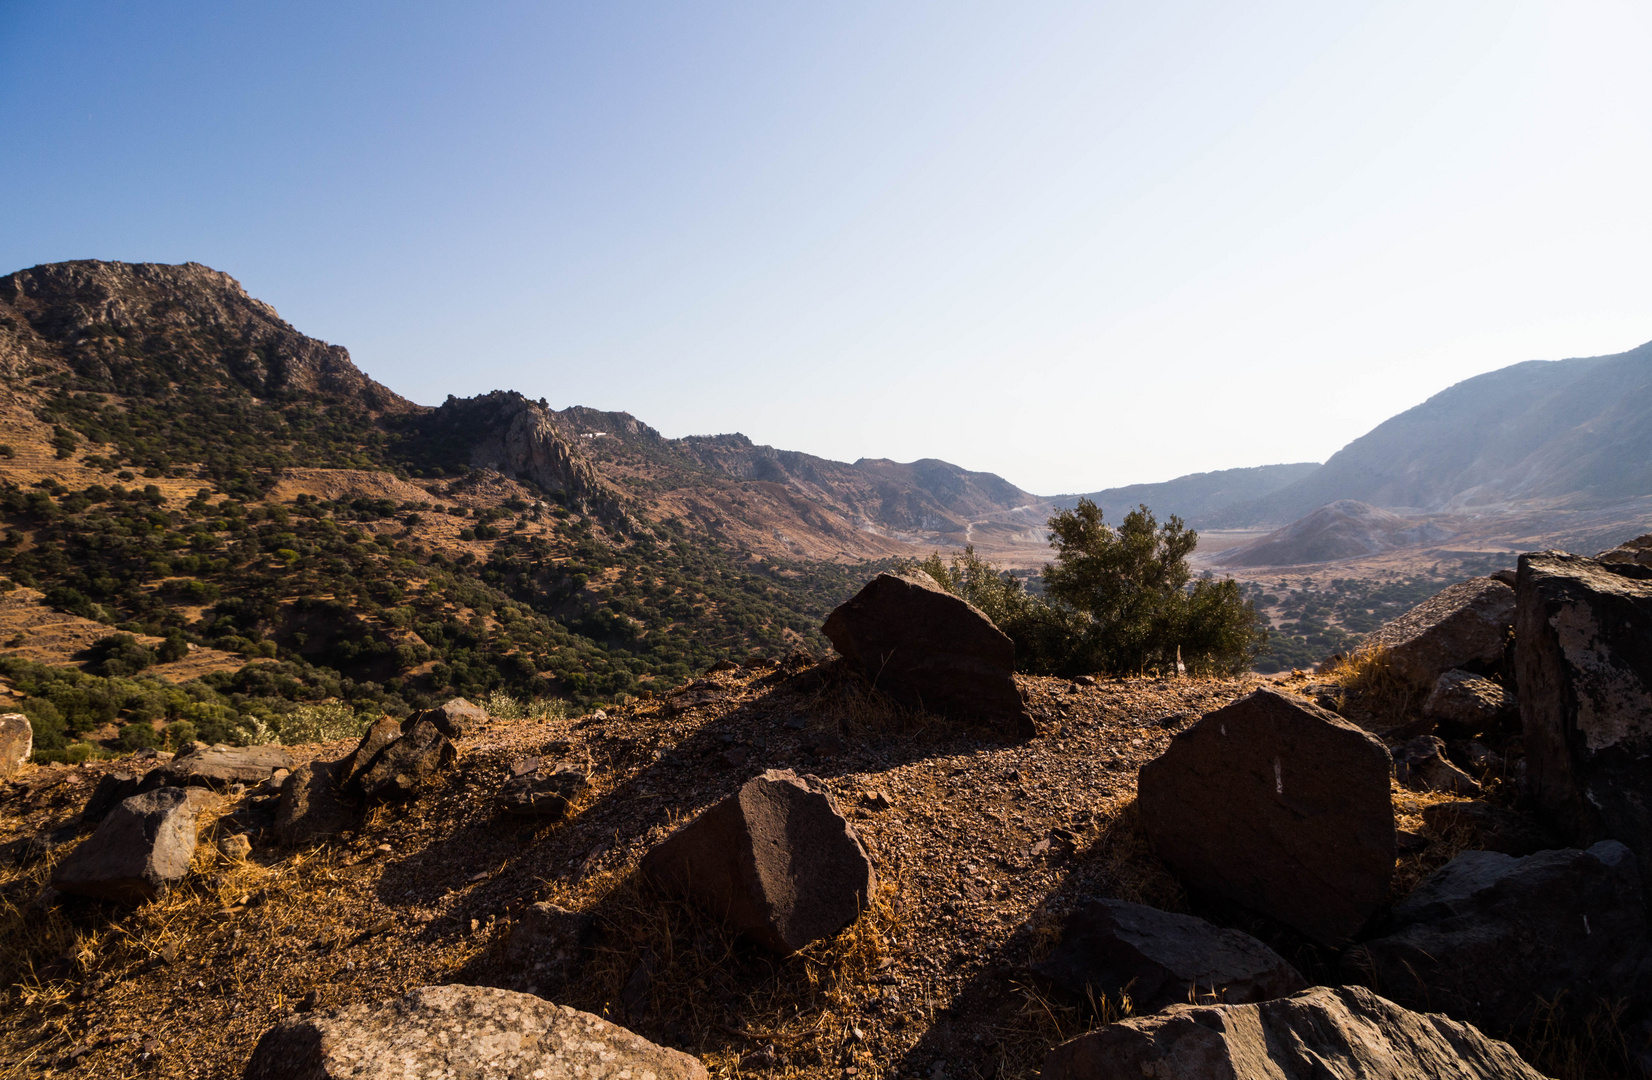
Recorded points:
1116,599
347,602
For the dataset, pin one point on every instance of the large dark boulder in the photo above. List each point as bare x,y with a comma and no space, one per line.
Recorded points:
929,649
1463,626
142,847
312,806
1583,659
1326,1033
461,1031
1488,937
398,770
1160,959
1281,806
775,859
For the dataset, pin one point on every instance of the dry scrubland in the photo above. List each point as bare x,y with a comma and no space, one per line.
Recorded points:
981,850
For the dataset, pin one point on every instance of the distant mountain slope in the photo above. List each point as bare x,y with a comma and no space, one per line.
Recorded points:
1341,530
1566,432
1196,496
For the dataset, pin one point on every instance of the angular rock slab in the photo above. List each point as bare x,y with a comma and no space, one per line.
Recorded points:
455,718
400,768
545,792
1326,1033
16,742
1487,936
219,765
142,846
1470,701
1636,552
384,731
1281,806
775,859
929,649
1159,958
461,1031
1463,626
312,806
1583,665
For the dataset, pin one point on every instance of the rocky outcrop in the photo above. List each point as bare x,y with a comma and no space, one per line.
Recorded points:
1583,659
220,766
312,807
1471,702
1114,948
455,718
142,847
931,650
461,1031
1488,938
1464,626
775,859
1636,552
1281,806
16,742
1341,1033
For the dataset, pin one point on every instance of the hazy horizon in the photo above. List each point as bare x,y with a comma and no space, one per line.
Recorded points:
1077,246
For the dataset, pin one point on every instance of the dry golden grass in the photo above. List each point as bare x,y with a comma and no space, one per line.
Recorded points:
1369,684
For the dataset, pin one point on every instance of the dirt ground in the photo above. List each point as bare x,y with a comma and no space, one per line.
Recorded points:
983,847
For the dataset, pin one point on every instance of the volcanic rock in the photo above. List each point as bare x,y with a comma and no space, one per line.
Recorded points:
544,792
381,734
398,770
1488,937
1463,626
776,859
1281,806
220,766
312,806
1491,827
113,788
1636,552
1112,948
460,1031
1583,660
454,718
142,847
16,742
1326,1033
932,650
1470,701
1422,763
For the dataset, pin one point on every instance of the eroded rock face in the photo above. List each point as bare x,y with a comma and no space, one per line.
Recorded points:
1463,626
1471,702
461,1031
142,847
16,742
776,859
1281,806
454,718
312,806
1112,947
927,648
399,769
1488,936
220,766
1583,659
1326,1033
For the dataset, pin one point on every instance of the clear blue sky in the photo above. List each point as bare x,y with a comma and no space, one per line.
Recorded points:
1078,245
